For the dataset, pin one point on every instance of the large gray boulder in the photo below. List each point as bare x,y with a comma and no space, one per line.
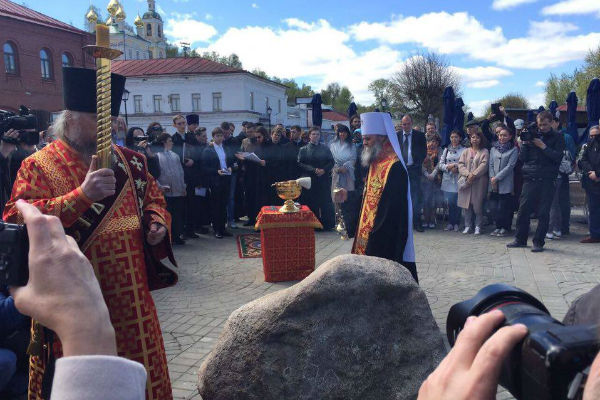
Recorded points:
357,328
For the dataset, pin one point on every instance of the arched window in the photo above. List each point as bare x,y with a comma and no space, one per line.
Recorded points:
159,31
67,59
160,53
46,64
148,29
10,58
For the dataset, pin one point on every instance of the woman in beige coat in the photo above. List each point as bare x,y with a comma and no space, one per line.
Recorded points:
473,170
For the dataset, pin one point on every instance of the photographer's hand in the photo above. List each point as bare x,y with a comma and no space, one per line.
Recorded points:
592,386
472,368
538,143
63,293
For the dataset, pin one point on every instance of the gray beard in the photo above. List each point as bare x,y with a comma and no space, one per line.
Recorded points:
86,148
369,154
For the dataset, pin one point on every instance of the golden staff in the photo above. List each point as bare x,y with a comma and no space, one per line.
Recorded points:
103,54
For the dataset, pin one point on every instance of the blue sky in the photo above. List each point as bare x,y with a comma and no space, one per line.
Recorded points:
496,46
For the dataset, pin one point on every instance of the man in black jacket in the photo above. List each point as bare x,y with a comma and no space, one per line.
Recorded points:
414,150
316,161
541,158
589,164
192,151
216,168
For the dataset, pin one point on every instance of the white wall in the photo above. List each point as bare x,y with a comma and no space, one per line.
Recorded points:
235,92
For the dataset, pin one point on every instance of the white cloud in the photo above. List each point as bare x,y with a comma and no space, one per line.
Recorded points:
460,33
479,107
572,7
183,27
160,10
549,29
536,100
208,17
254,5
483,84
540,84
506,4
475,74
331,58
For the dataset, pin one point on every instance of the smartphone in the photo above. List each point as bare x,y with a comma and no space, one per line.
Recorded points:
496,109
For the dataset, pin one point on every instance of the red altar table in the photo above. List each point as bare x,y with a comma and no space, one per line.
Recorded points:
287,243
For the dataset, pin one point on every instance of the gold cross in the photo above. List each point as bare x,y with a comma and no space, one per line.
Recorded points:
376,185
67,205
134,161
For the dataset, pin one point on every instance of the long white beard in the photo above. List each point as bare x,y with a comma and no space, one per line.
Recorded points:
369,154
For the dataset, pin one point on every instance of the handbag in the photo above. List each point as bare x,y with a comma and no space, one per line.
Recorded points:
566,164
462,182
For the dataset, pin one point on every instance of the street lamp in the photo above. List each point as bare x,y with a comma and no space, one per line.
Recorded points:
269,111
125,98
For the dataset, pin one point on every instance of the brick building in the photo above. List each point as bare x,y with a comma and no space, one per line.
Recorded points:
34,48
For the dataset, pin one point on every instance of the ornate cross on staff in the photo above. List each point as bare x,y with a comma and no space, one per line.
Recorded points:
103,54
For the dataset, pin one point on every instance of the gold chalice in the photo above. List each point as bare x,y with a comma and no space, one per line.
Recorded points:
288,191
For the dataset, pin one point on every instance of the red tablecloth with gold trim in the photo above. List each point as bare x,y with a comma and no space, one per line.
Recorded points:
287,242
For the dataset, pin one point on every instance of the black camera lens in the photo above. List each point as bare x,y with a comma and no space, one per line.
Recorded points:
517,305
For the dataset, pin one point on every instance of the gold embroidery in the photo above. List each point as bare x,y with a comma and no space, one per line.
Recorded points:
140,184
121,224
84,222
98,208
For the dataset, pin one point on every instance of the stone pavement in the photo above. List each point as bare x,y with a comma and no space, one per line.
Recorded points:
214,281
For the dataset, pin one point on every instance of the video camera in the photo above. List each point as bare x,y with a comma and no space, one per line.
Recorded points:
14,250
529,132
550,362
22,121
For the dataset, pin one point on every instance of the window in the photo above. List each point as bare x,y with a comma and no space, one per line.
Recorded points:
159,31
137,54
217,102
130,54
148,30
252,101
67,60
279,106
10,58
160,54
174,100
149,54
137,103
266,103
157,100
46,64
195,101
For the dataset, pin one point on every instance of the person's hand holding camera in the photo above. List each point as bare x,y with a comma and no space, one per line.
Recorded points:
99,184
63,293
539,143
472,368
5,147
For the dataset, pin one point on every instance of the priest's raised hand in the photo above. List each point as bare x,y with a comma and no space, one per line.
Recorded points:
98,184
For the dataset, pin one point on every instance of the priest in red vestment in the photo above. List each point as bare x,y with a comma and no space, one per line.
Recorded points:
117,216
385,221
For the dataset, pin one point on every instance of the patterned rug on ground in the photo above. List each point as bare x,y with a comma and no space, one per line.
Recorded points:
249,245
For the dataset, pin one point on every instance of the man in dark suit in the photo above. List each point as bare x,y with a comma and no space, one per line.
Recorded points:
216,168
414,150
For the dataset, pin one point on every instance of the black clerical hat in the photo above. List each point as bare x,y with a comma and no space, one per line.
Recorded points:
79,90
192,119
472,122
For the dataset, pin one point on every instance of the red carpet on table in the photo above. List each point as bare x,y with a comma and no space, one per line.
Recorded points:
249,245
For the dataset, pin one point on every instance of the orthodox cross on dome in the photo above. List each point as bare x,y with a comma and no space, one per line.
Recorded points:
151,5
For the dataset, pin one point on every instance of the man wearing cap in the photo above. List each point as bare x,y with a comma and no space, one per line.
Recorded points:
118,218
385,222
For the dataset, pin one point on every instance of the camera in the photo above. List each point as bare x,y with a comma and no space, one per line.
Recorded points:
14,250
546,362
139,139
529,133
23,121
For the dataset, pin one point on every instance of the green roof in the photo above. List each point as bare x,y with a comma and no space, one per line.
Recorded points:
151,14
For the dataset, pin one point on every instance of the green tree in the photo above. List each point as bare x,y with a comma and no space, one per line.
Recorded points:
559,87
510,100
330,93
261,73
231,60
172,51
